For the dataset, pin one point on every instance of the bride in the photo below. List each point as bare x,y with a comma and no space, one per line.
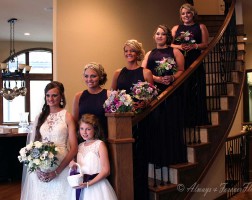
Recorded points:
56,125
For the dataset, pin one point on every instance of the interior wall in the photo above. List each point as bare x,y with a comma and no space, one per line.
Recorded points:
213,183
248,57
209,7
86,31
19,46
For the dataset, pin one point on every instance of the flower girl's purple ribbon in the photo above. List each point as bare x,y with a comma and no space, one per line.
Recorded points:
88,177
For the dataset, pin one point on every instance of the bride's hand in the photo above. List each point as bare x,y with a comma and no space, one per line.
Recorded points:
50,176
41,175
46,177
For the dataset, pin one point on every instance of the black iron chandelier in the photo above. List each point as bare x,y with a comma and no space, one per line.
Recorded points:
20,73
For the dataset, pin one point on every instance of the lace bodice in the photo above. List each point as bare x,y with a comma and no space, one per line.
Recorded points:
55,129
88,157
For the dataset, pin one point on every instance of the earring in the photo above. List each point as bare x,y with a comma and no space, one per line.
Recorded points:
61,102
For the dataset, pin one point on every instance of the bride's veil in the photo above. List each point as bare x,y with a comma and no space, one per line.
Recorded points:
30,138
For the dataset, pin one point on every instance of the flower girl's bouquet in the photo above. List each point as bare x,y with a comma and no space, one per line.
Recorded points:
144,92
118,101
38,155
166,66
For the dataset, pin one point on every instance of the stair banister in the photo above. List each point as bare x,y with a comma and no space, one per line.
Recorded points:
121,157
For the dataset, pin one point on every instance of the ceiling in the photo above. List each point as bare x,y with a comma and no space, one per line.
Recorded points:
35,17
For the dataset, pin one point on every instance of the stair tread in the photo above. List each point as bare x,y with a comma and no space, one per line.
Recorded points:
183,166
160,188
202,144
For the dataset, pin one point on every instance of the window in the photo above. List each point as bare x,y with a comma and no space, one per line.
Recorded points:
40,75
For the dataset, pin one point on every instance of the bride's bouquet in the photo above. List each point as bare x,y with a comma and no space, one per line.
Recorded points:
39,155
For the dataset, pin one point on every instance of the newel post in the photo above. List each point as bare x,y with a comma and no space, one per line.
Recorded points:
121,157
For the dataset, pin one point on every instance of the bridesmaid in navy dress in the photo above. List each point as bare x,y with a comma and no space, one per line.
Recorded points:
132,73
165,131
191,47
91,100
124,79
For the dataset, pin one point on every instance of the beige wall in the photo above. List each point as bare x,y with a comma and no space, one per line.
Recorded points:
19,46
96,30
211,186
248,56
209,7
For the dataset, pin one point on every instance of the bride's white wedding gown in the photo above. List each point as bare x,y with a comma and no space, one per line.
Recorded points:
55,130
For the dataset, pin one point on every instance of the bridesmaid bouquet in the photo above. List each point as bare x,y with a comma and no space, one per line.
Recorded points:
186,38
118,101
144,91
166,66
38,155
246,128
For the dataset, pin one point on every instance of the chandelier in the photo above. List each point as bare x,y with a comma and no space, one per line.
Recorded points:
19,74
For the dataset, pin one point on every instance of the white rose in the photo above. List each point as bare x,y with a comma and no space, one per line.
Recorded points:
20,158
36,161
38,144
50,155
29,158
29,146
22,151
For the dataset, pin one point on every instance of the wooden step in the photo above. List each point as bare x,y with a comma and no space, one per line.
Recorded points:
193,149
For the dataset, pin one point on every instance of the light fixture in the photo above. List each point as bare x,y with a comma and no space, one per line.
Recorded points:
245,37
18,74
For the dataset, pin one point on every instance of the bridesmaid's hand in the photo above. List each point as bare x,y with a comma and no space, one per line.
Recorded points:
184,47
189,47
167,80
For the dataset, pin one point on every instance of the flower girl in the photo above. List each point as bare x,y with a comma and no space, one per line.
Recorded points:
94,162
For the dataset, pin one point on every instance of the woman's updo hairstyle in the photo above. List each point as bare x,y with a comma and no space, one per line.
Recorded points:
98,68
137,47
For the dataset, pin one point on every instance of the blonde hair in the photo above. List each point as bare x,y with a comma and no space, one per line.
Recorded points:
189,7
98,68
137,47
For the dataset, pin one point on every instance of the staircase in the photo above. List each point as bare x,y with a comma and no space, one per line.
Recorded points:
224,62
212,137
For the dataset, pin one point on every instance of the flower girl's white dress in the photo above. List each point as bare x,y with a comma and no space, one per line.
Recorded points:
89,161
55,130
